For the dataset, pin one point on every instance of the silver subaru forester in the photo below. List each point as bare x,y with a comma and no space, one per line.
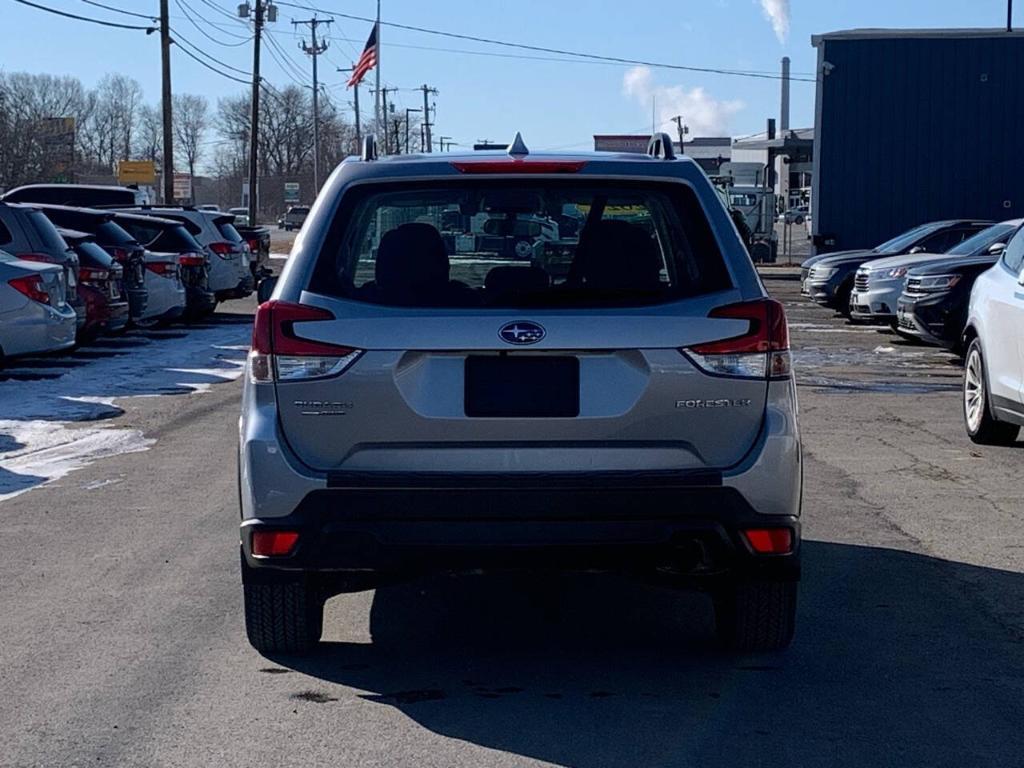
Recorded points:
423,392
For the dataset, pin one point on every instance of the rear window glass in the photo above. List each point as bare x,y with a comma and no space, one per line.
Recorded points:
110,233
143,231
5,234
508,244
301,210
92,255
228,232
47,233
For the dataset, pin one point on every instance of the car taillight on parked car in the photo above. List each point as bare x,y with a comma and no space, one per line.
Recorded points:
35,257
224,250
279,355
163,268
118,254
762,352
192,260
92,276
254,245
32,287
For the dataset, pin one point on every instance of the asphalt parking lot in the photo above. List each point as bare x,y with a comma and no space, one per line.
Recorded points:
122,641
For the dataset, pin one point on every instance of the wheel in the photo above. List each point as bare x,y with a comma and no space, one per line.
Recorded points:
981,426
798,220
523,250
756,616
842,299
282,615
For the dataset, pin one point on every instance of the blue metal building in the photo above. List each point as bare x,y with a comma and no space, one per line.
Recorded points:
915,126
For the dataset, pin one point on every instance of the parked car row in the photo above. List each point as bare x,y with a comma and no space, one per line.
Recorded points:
957,284
111,263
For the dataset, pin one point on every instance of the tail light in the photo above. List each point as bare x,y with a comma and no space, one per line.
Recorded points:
517,165
35,257
762,352
254,245
92,276
273,543
118,254
279,355
770,541
222,249
192,260
163,268
30,286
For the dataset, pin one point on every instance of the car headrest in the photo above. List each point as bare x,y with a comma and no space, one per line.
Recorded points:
411,259
618,255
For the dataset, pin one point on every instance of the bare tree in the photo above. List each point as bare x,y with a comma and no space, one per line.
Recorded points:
191,123
149,139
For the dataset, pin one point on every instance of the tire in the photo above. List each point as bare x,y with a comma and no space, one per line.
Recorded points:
982,427
756,616
842,299
283,616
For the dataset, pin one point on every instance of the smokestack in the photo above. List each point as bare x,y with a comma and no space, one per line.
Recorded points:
784,116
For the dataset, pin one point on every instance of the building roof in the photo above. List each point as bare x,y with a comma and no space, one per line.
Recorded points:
881,34
788,138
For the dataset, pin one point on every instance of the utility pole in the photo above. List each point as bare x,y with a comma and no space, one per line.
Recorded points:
683,130
314,50
382,96
427,125
1009,15
398,141
409,111
379,117
445,140
355,88
254,121
165,57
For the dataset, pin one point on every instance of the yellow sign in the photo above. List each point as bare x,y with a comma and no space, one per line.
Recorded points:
136,172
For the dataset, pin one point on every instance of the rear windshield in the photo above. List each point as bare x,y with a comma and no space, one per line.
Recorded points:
92,255
510,244
175,240
110,233
47,232
228,232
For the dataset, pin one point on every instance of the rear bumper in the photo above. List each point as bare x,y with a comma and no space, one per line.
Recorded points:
245,287
691,524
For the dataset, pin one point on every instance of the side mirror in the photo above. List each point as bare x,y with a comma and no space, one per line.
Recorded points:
265,289
916,249
996,248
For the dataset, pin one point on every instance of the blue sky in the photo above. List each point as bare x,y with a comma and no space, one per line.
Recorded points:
554,103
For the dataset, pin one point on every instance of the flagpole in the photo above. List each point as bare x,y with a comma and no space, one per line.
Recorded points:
376,107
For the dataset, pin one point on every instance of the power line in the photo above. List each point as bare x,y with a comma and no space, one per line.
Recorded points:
178,37
558,51
185,8
147,30
119,10
284,61
195,58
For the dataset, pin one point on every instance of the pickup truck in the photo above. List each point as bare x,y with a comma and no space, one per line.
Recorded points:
258,239
293,218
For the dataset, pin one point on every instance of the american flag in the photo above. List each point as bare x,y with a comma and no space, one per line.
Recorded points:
367,61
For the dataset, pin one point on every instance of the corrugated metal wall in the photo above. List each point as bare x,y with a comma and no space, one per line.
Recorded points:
918,129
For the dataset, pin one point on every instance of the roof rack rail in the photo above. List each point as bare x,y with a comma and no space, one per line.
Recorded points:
661,146
369,148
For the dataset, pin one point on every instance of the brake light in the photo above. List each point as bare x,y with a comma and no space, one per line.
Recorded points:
163,268
770,541
118,254
761,352
273,543
192,260
222,249
92,275
30,286
35,257
518,165
254,245
279,355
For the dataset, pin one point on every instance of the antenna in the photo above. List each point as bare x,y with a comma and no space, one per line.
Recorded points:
518,147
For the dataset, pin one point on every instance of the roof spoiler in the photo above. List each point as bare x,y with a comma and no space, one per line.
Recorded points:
661,147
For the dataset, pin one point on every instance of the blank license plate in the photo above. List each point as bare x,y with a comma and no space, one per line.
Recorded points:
522,387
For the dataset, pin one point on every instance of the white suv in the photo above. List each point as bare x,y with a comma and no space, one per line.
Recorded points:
994,338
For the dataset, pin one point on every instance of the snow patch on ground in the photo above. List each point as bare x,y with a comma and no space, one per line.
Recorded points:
46,422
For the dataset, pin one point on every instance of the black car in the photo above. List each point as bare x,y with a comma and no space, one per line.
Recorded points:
936,297
100,284
112,238
828,280
86,195
171,236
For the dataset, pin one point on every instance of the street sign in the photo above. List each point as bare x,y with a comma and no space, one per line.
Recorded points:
182,186
136,172
291,192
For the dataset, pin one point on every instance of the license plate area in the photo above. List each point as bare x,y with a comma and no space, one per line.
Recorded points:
522,386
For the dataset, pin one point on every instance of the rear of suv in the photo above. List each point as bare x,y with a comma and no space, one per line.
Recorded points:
411,407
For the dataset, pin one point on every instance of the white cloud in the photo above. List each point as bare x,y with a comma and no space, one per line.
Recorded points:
777,12
705,115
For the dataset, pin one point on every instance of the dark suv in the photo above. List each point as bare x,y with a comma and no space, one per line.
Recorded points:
410,408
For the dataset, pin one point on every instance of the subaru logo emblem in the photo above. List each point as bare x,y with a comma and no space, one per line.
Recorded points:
522,332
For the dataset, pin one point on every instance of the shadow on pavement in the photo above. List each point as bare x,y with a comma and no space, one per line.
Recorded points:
895,663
